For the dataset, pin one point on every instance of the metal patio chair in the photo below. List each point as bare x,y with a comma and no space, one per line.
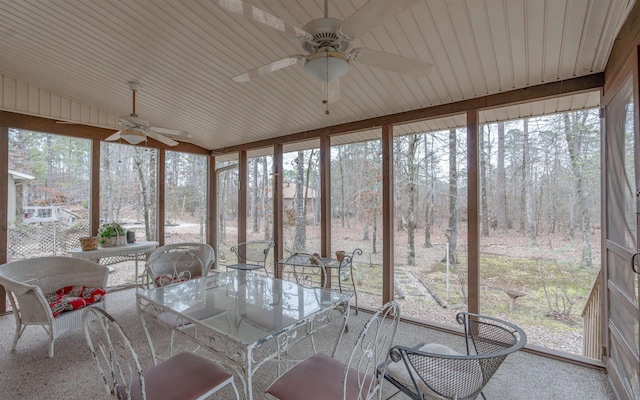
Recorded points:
252,255
184,376
435,371
322,377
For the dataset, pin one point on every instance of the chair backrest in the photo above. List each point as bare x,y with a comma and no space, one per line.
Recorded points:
347,259
371,351
51,273
114,354
181,261
253,252
451,375
305,269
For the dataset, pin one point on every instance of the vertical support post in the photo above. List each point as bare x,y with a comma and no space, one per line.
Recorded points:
325,200
94,203
212,207
387,214
278,181
473,235
160,218
4,206
242,196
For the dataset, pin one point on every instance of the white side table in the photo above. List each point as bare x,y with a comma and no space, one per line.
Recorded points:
138,251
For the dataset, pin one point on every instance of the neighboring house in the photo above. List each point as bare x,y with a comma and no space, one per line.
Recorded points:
289,195
16,195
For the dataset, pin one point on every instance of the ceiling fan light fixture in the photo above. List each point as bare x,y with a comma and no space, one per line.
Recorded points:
327,66
133,136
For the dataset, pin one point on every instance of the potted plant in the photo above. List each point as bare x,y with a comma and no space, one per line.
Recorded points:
112,234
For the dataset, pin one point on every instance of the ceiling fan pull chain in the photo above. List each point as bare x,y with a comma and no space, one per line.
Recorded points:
326,83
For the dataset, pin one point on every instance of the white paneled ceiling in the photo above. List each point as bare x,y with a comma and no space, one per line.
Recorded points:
185,54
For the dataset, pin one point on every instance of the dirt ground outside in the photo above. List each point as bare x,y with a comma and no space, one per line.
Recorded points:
508,263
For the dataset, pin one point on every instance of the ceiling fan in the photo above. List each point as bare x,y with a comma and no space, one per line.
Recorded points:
327,43
136,130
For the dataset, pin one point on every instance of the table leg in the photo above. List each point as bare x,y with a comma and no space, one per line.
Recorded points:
345,328
248,389
152,348
136,258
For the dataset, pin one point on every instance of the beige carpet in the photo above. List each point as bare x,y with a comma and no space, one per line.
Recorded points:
28,373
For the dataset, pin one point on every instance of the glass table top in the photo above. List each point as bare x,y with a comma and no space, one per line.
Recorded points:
244,305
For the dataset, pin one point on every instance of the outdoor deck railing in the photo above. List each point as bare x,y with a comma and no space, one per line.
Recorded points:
591,320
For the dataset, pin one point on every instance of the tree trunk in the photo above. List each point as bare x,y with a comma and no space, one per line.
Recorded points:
483,186
375,234
411,192
254,196
222,220
397,198
145,188
300,239
306,188
263,200
528,186
501,193
343,208
429,163
453,198
573,133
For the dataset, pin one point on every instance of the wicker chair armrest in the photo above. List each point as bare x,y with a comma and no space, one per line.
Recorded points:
15,287
34,307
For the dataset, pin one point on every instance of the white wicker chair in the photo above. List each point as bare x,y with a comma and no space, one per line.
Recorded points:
27,281
180,260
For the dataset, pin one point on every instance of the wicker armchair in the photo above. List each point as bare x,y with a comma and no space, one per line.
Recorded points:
28,281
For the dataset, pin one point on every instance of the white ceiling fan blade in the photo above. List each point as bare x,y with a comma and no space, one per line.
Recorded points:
160,138
133,121
332,91
269,68
255,14
165,131
372,14
113,137
392,62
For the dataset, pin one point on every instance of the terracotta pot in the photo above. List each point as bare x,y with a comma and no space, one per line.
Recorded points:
339,255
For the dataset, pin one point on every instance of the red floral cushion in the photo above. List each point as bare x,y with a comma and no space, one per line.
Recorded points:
73,297
167,279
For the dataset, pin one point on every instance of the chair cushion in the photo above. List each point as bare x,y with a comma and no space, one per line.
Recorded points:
72,298
318,377
472,373
168,279
183,376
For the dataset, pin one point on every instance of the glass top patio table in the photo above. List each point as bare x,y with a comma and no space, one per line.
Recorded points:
243,314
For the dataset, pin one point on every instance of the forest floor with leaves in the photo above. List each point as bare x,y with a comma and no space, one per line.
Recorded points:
555,287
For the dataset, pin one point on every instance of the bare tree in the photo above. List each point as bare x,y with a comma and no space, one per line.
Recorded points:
574,134
412,169
253,207
501,193
429,167
453,197
300,238
528,186
483,185
146,187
